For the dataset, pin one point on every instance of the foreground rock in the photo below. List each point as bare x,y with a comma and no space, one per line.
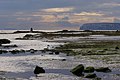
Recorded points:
78,70
103,69
57,53
91,75
117,48
3,51
89,70
4,41
38,70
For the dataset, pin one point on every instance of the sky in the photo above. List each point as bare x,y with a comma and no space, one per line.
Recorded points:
56,14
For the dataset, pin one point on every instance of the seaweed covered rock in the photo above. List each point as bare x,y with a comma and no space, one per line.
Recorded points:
91,75
38,70
32,50
22,51
4,41
78,70
63,60
28,36
116,47
14,51
8,46
103,69
89,70
51,53
3,51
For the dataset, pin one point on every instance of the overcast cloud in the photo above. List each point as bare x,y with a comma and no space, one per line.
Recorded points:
56,14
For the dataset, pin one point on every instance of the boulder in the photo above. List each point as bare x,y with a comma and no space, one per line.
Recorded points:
33,51
116,48
28,36
22,51
14,51
57,53
51,53
103,69
89,70
63,60
38,70
91,75
78,70
4,41
8,46
3,51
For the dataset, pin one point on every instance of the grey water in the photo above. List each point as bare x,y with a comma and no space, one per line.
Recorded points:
29,74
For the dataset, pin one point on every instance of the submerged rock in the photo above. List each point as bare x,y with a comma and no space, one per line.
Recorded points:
78,70
89,69
103,69
38,70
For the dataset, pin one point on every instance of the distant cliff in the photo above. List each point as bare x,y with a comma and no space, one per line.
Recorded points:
100,26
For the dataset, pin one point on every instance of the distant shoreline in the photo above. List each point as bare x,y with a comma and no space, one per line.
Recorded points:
42,31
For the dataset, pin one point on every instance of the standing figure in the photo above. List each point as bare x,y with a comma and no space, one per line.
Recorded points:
31,29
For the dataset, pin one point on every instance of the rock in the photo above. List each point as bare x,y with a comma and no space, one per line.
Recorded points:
67,54
3,51
38,70
63,60
103,69
78,70
2,73
89,69
105,49
8,46
22,51
14,51
42,55
116,48
91,75
4,41
51,53
32,50
89,51
28,36
43,51
57,53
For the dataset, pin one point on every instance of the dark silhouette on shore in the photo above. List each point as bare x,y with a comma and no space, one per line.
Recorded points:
31,29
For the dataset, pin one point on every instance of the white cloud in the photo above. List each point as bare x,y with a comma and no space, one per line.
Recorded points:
58,10
24,19
88,14
113,4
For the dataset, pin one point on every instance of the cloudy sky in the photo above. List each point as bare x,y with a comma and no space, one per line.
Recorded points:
56,14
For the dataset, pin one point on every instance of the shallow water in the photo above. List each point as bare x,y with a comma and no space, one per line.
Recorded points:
25,63
29,74
26,44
